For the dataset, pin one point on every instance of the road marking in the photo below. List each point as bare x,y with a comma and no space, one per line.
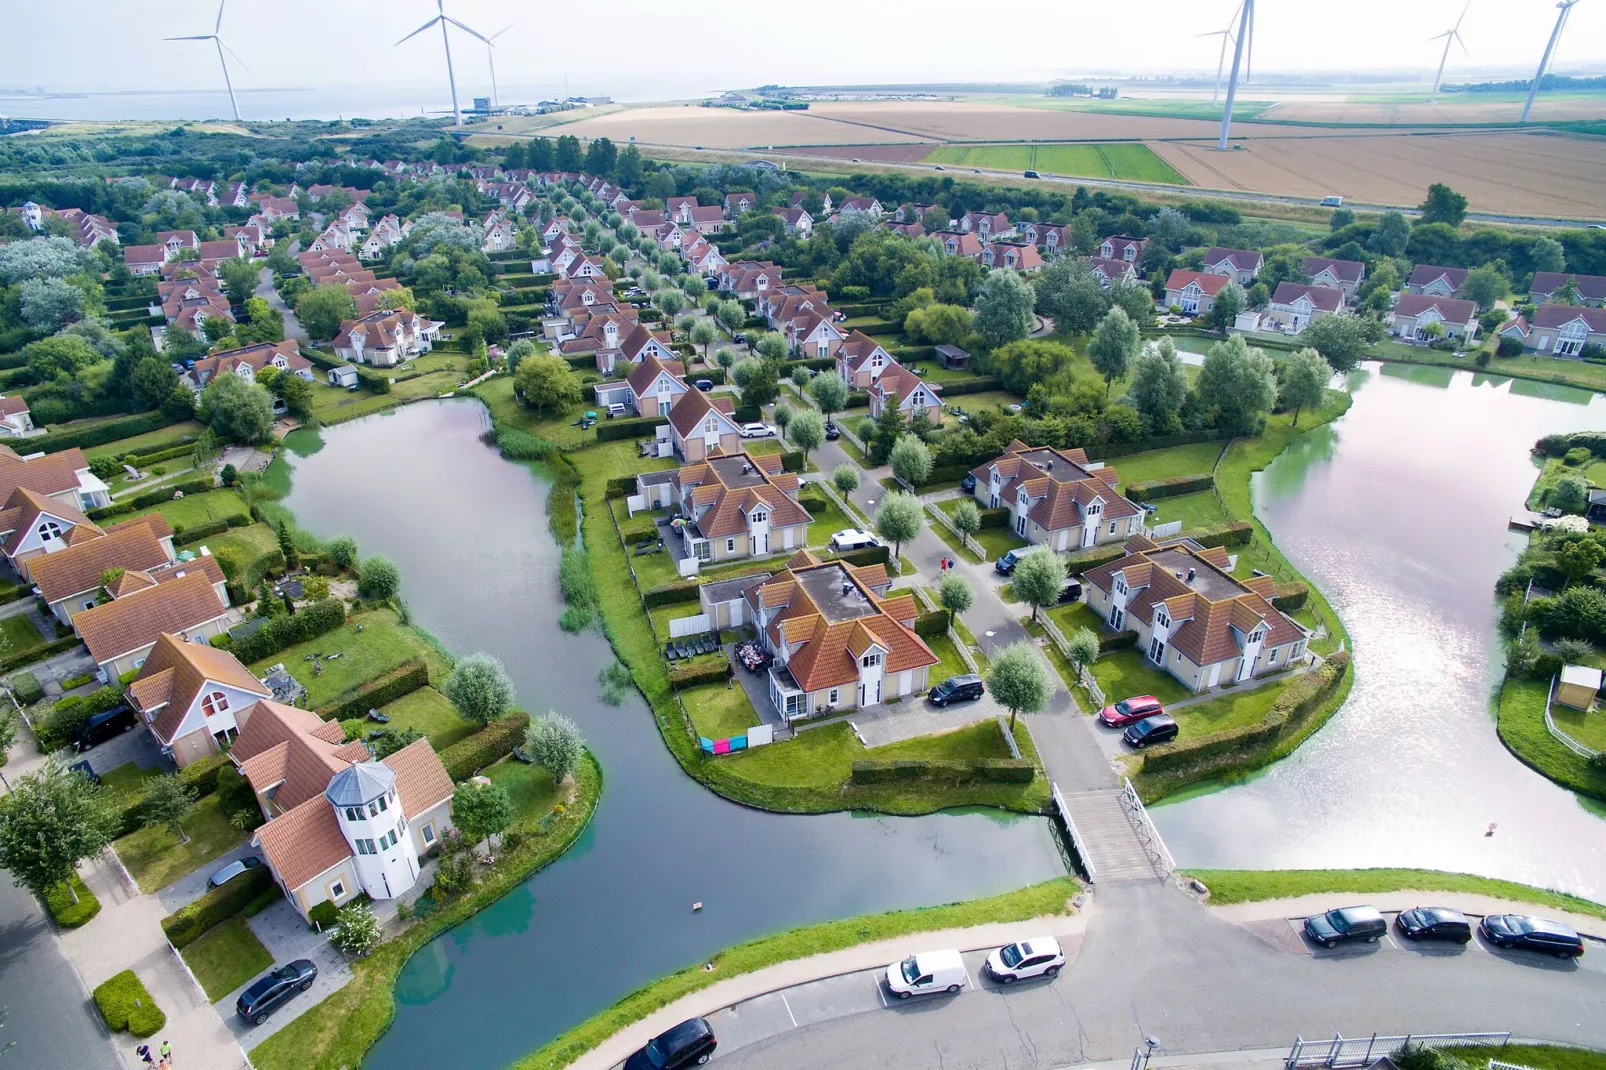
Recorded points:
881,992
788,1007
1388,938
967,975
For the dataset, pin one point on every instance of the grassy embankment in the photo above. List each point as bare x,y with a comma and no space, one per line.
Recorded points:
1253,885
1522,729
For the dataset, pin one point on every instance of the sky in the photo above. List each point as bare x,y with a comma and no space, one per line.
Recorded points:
646,49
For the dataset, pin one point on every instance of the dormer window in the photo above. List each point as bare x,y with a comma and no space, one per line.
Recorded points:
49,529
215,703
1256,636
1120,585
870,660
1161,619
759,516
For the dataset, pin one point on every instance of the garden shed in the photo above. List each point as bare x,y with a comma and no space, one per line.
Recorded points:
1578,687
953,357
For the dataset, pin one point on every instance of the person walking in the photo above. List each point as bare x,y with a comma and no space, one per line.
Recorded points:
167,1054
730,675
144,1052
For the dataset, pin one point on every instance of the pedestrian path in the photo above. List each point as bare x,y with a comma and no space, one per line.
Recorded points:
1107,837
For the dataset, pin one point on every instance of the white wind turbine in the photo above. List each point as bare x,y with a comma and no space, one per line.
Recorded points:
216,38
1246,22
490,57
1566,7
1221,62
443,18
1451,36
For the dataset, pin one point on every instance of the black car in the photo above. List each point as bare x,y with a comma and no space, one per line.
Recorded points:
704,384
968,484
271,991
1434,923
1032,174
957,689
1071,592
1346,925
1532,934
832,432
1156,729
1005,566
103,726
688,1044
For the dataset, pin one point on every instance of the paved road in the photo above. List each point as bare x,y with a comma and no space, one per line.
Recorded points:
1155,963
49,1015
292,326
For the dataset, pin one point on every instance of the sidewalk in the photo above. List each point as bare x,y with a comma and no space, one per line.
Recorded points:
1467,902
735,990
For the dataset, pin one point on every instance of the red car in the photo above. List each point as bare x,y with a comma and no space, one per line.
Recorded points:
1130,711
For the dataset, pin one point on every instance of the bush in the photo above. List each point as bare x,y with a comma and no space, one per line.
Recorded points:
1290,597
611,430
39,653
932,623
203,774
712,672
671,594
190,922
27,688
100,434
1150,490
70,915
621,487
280,633
1576,456
992,770
1109,641
1232,533
404,679
324,915
869,555
994,518
126,1005
1508,347
793,461
485,747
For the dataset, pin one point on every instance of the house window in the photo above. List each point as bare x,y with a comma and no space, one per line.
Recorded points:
1256,636
215,703
1162,620
337,890
353,813
429,833
871,659
1112,527
831,698
366,847
730,546
49,529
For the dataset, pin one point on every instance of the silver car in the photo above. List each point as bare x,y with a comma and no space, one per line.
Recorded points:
232,870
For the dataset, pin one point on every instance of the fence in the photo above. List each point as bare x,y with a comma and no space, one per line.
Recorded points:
1084,677
942,517
1344,1051
1076,837
953,637
1166,530
1562,737
681,627
1148,835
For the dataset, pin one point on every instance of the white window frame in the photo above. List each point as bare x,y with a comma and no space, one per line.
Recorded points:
337,889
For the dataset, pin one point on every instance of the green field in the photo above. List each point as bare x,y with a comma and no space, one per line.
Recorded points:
1130,162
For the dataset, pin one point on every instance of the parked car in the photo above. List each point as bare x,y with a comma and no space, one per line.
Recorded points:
103,726
927,972
1038,957
757,430
704,384
1005,566
273,990
1434,923
83,768
690,1043
852,539
1332,201
1130,711
968,484
232,870
1346,925
1156,729
957,689
832,432
1532,934
1033,174
1071,592
939,167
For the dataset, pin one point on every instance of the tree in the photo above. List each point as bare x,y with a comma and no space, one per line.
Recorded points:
1304,385
782,416
42,258
480,688
1018,679
46,304
669,302
703,334
771,346
760,385
1114,345
807,431
1392,233
1039,578
357,931
554,743
264,323
1070,294
1547,254
1169,228
967,517
731,314
828,392
1443,205
1031,360
235,409
1579,558
1485,285
239,277
845,478
911,460
938,325
1229,302
1342,339
342,551
1238,383
380,580
49,822
1434,243
888,426
322,309
64,356
955,595
1082,649
295,392
1159,386
1004,307
547,383
1341,218
1570,494
168,801
481,811
899,518
1579,612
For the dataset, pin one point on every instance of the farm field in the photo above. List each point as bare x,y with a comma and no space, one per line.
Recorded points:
1449,108
1128,162
724,128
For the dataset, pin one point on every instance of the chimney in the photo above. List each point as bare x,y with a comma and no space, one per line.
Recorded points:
1191,573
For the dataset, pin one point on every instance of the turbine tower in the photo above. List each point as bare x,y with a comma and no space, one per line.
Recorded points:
490,57
216,38
1566,7
1452,35
1246,16
443,18
1221,62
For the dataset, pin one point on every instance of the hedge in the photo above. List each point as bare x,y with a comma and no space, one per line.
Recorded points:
994,518
126,1004
932,623
39,653
1109,641
100,434
241,586
748,414
189,923
1290,597
994,770
793,461
207,530
70,915
1232,533
153,497
16,594
970,386
869,555
1091,558
610,430
711,672
671,594
27,688
404,679
587,361
620,487
279,633
489,745
1150,490
202,774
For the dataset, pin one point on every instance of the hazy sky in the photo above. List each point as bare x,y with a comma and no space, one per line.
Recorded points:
686,47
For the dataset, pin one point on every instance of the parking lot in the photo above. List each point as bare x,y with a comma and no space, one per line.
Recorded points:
1289,934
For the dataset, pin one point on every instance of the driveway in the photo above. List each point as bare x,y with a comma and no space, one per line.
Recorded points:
49,1014
190,887
292,326
135,746
287,938
914,717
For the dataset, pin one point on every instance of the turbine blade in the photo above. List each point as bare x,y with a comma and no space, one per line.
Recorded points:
1463,14
196,37
465,29
1463,45
503,30
421,29
236,56
218,26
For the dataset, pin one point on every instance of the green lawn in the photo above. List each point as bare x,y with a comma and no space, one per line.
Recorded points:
1536,1056
1588,728
238,549
196,509
431,713
155,858
1201,509
1251,885
383,644
986,399
828,519
1195,458
530,789
127,780
1068,618
18,634
1522,728
1231,709
1124,673
162,436
997,541
719,712
1129,162
822,758
950,665
226,957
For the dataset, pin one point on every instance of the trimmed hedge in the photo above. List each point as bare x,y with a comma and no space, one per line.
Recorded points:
712,672
611,430
671,594
993,770
489,745
869,555
404,679
978,385
205,531
101,434
189,923
793,461
1232,533
620,487
279,633
1091,558
1109,641
202,774
39,653
1150,490
994,518
748,414
27,688
1290,597
932,623
153,497
126,1004
70,915
241,586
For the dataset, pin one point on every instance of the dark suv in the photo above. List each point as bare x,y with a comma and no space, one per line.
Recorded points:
1346,925
1532,934
957,689
1434,923
688,1044
103,726
270,992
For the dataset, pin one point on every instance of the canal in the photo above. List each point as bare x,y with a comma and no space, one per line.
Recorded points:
469,532
1398,511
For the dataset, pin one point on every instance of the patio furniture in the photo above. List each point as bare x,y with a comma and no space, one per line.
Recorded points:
375,715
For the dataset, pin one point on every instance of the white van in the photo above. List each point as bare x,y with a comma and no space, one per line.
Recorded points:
927,972
1332,202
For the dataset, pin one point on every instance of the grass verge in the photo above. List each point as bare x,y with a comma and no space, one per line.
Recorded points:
155,858
226,957
1522,729
1536,1056
1253,885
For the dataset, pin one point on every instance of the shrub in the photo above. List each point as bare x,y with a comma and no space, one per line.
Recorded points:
1109,641
324,915
490,744
1290,597
1154,489
126,1004
932,623
27,688
1509,347
993,770
1576,456
869,555
692,675
203,774
404,679
280,633
1232,533
70,915
671,594
190,922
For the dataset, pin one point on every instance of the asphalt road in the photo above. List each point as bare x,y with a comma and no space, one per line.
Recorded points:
1156,963
49,1015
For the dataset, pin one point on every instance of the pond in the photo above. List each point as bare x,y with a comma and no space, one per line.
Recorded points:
1398,511
469,532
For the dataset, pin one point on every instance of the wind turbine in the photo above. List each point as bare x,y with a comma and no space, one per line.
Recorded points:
490,57
1221,62
1452,35
1246,15
216,38
1566,7
443,18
